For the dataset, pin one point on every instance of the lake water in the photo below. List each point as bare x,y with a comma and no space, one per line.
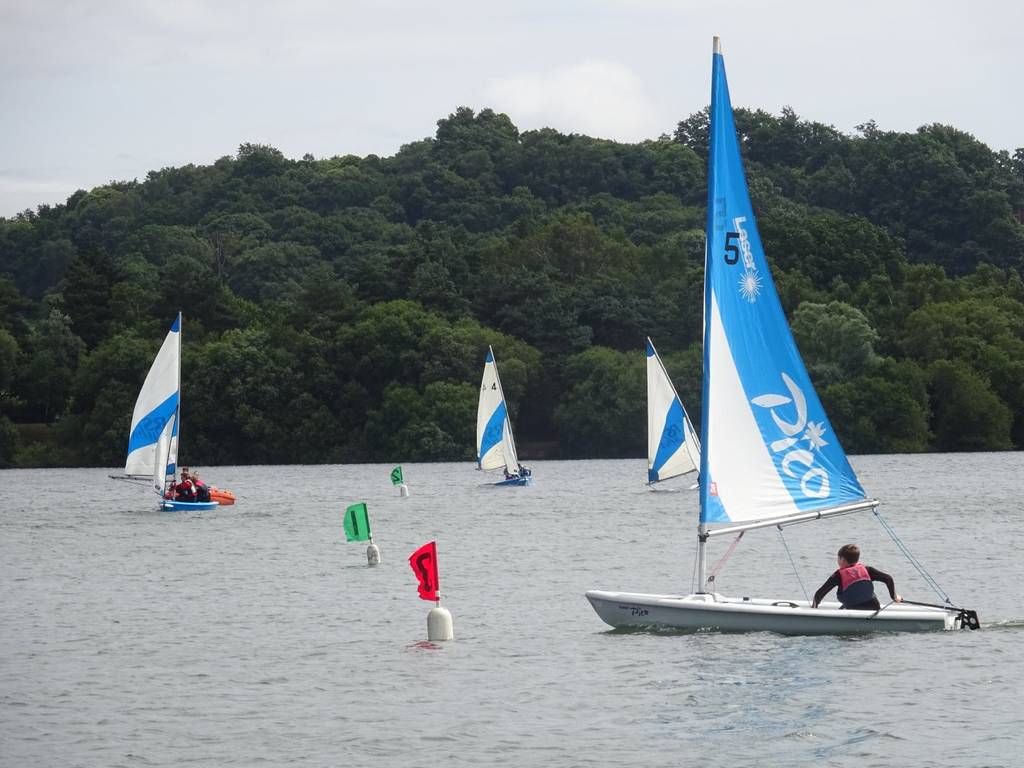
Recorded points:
255,635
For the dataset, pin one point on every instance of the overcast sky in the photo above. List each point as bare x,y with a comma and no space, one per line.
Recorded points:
102,90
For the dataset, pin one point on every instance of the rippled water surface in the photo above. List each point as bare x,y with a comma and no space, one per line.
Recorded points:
254,635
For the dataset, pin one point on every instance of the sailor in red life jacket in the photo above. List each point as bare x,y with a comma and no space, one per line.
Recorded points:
202,490
854,582
184,490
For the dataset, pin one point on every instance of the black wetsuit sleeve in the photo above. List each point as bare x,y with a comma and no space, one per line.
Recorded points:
885,578
830,583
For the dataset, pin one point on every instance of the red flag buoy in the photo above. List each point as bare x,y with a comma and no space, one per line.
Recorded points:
424,565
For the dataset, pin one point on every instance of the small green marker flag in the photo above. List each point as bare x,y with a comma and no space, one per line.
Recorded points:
357,523
396,475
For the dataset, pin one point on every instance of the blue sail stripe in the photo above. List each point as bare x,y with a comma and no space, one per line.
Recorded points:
672,437
171,465
493,431
151,426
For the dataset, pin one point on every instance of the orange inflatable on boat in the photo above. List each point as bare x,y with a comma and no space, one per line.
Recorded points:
224,498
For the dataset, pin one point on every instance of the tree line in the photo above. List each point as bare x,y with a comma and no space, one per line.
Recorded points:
339,309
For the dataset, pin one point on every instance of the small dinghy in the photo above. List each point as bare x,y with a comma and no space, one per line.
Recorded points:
153,442
495,445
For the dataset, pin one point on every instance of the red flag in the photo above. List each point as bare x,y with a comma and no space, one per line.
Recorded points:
424,565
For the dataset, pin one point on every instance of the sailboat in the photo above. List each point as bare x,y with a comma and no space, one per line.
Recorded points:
153,441
672,446
770,456
495,445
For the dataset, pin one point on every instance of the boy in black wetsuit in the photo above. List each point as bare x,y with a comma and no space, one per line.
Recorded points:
854,582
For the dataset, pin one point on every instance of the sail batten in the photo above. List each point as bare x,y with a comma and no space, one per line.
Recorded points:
769,451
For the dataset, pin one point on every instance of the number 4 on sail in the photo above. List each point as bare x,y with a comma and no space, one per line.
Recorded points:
769,454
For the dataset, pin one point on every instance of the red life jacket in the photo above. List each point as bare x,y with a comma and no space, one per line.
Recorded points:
855,585
184,489
202,490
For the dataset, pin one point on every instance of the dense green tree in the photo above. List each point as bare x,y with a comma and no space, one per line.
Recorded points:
268,271
836,340
339,309
46,378
435,425
603,411
884,410
87,295
10,353
967,415
10,443
103,394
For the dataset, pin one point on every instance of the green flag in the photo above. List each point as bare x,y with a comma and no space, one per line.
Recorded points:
396,475
357,523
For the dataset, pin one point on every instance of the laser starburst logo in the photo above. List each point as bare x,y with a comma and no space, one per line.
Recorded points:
750,286
750,283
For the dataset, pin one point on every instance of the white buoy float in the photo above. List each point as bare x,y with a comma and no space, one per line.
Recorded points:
439,624
403,491
372,554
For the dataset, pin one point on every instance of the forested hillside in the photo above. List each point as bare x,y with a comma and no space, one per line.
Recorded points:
339,310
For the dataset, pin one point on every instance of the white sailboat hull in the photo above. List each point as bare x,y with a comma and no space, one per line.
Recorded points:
736,614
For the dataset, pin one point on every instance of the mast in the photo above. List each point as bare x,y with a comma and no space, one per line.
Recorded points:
177,412
650,425
706,484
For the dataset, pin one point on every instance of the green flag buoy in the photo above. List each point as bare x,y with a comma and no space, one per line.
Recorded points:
397,478
357,528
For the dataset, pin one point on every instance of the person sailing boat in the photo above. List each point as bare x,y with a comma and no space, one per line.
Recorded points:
853,582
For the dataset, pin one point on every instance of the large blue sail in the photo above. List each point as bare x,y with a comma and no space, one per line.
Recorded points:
769,451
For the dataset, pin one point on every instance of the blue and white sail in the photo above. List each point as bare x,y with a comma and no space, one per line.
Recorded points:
672,446
769,451
154,427
495,445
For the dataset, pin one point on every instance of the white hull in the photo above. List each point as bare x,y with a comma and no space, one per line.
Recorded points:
786,617
657,487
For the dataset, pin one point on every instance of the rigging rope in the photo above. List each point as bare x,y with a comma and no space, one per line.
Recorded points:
913,560
721,562
792,562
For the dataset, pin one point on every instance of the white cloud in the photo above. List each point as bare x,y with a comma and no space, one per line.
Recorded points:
595,97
